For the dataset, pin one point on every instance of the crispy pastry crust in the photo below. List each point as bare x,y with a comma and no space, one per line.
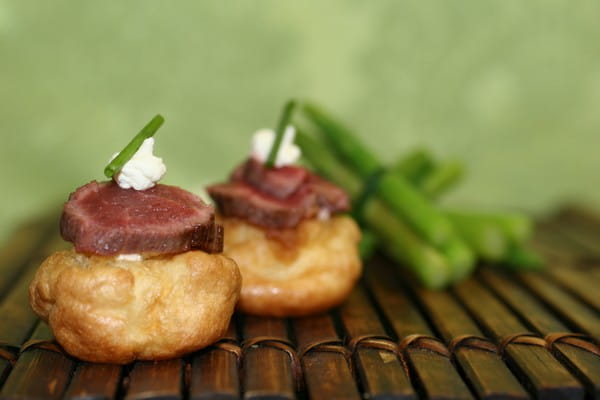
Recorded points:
101,309
294,272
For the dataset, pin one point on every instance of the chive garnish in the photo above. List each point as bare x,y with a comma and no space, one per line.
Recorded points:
286,115
147,131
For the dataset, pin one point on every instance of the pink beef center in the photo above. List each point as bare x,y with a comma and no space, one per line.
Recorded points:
151,209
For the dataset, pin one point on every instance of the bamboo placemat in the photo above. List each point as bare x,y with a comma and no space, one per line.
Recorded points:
493,336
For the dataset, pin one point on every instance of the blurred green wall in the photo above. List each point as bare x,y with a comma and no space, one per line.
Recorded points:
512,87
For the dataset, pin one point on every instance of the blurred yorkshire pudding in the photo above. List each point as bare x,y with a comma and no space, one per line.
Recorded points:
294,272
103,309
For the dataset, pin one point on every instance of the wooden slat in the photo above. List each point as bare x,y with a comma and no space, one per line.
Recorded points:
315,328
327,377
39,373
555,247
19,250
489,377
326,369
557,235
268,371
528,308
94,381
381,371
381,375
5,367
400,311
577,314
156,380
535,367
579,214
586,366
580,282
542,373
581,230
18,320
439,382
215,371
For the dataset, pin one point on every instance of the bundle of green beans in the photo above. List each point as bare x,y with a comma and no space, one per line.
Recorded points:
397,211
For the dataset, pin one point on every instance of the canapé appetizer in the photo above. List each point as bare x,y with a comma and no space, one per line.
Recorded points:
145,279
297,253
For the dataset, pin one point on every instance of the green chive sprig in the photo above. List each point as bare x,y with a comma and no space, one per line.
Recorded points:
286,115
125,155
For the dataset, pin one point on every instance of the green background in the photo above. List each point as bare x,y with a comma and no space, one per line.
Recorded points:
511,87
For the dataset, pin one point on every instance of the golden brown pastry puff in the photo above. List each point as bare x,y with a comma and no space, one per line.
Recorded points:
296,255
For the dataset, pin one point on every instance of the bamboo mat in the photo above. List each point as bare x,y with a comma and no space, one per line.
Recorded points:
493,336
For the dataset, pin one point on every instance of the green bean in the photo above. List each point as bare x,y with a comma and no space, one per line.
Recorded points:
520,258
517,228
411,205
399,195
367,244
440,178
460,257
415,165
344,143
401,243
396,238
485,237
324,162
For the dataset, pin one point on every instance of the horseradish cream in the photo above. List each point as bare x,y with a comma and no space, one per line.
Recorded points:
143,170
263,139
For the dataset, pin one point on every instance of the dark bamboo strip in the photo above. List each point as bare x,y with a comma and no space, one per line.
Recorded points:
533,364
94,382
394,301
557,235
483,367
268,370
577,314
327,377
5,366
551,254
404,320
22,245
527,307
434,374
39,373
580,282
580,215
155,380
382,372
215,370
584,364
583,235
555,247
587,225
326,363
18,320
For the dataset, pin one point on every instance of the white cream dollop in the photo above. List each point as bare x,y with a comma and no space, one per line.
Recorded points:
130,257
263,139
143,170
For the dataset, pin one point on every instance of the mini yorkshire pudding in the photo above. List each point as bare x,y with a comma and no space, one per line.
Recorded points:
293,272
103,309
